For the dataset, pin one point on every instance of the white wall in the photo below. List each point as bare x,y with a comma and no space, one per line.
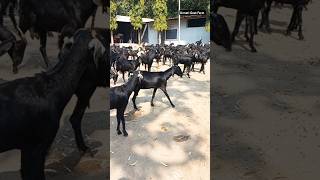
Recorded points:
152,34
188,35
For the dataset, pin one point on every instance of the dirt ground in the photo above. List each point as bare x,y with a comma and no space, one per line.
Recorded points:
64,160
151,150
265,105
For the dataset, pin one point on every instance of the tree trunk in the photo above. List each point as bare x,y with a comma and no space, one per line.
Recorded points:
139,37
159,37
163,37
112,38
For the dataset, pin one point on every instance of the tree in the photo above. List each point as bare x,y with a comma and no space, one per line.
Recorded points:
207,27
113,20
160,12
135,14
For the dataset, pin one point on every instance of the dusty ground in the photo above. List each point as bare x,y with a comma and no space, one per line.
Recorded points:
150,151
64,161
265,116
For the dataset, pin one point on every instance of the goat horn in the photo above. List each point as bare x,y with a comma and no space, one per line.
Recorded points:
99,49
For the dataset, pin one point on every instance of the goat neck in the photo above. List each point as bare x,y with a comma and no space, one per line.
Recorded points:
65,77
130,86
168,73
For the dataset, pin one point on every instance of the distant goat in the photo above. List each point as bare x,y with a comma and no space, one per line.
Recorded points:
156,80
124,65
15,48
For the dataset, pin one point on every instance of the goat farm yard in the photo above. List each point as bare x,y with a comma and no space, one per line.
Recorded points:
165,142
64,161
266,104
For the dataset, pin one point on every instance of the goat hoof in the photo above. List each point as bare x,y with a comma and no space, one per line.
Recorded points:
119,132
173,106
287,33
253,50
125,134
152,104
268,30
301,37
88,151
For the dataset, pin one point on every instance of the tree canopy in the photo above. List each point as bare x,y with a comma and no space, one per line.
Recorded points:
113,14
124,6
160,15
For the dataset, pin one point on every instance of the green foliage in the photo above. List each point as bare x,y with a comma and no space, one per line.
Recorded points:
124,6
160,15
207,27
113,14
135,14
186,5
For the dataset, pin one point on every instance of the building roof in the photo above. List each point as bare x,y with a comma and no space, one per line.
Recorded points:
127,19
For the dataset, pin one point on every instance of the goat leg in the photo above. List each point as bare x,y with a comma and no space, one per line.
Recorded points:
136,92
43,43
33,162
119,112
300,9
121,116
165,92
291,24
153,94
202,68
251,41
123,76
239,18
246,29
75,121
93,19
188,71
124,126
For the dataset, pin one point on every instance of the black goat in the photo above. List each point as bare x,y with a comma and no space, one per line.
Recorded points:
123,65
43,16
219,31
296,17
14,47
114,76
202,59
186,60
9,4
156,80
147,59
245,8
119,97
93,77
31,108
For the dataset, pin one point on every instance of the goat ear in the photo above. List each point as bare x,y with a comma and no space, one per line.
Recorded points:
5,46
99,49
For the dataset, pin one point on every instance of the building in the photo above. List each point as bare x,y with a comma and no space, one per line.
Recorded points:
192,29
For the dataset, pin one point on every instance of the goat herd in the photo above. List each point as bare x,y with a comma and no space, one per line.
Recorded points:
31,107
126,59
249,10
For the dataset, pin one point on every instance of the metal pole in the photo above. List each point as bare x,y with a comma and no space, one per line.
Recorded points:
179,23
